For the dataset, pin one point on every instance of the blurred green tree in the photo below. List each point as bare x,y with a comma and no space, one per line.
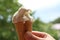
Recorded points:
56,20
7,8
38,25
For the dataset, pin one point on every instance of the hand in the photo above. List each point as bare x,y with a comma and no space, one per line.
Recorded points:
38,36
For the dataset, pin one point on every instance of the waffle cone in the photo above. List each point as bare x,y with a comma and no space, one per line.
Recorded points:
20,30
28,26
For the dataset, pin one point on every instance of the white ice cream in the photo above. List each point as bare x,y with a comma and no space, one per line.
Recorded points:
20,16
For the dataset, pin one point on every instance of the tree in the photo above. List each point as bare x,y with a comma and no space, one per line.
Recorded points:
38,25
7,9
56,20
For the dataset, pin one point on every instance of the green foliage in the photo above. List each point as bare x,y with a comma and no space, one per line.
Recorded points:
37,25
56,21
7,9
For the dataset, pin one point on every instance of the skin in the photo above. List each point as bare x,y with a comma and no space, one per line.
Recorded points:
35,35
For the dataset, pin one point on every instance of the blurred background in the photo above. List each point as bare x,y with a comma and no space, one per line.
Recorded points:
46,15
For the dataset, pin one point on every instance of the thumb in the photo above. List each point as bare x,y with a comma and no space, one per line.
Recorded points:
30,36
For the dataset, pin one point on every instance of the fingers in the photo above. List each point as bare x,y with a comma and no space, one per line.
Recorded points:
44,35
34,36
39,34
49,37
30,36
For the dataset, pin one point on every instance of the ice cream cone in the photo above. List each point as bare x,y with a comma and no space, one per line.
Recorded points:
28,25
20,30
22,23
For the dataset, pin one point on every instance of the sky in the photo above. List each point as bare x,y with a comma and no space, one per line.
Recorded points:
46,10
